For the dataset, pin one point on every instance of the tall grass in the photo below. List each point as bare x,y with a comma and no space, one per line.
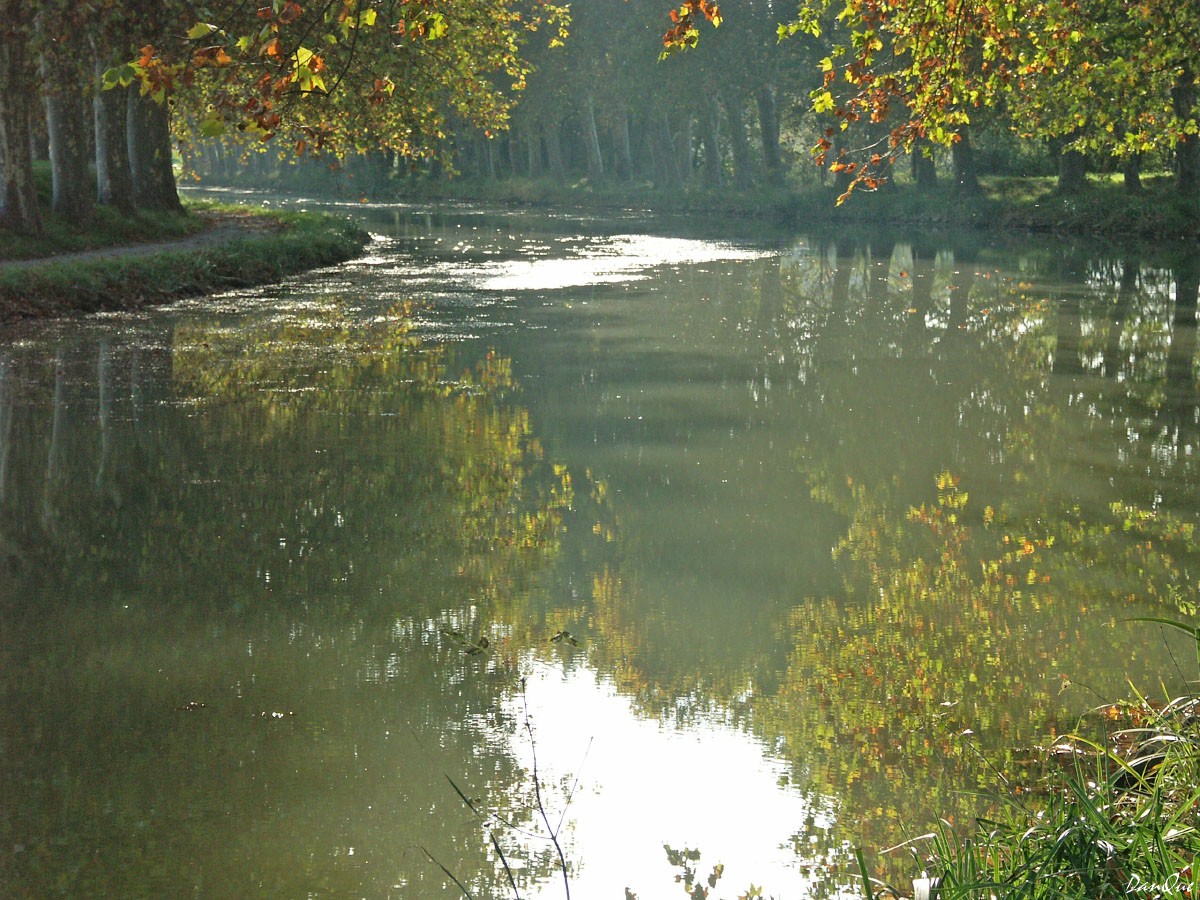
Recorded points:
1121,819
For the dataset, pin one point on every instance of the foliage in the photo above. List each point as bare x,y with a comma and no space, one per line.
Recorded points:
340,74
684,31
1103,77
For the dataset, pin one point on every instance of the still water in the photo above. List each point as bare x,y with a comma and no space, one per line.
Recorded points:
751,546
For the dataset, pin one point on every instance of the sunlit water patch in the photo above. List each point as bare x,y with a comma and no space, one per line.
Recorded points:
638,788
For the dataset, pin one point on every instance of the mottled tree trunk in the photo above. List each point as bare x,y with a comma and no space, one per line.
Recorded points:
668,162
18,198
1131,173
713,170
966,179
591,140
1072,170
114,184
623,147
533,152
63,81
683,146
148,137
924,170
510,144
554,155
1187,151
489,157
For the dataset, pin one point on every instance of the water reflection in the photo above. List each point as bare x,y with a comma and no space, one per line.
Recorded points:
234,552
831,522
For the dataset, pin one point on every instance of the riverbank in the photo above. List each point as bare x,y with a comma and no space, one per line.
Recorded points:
208,248
1104,207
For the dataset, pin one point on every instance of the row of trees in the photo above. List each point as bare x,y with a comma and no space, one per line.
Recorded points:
108,79
1038,87
859,84
52,58
603,105
864,82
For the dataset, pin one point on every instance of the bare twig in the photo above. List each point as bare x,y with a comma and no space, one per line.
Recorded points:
537,792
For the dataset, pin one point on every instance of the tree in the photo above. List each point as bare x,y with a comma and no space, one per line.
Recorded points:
1110,77
345,73
18,199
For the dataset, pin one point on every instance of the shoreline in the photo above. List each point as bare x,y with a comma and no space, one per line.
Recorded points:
239,248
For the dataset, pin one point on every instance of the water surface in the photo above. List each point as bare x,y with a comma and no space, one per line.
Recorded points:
756,546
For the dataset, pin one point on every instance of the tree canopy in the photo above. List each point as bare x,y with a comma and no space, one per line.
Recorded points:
389,74
1116,78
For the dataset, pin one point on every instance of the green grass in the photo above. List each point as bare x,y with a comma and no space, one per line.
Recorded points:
1102,832
1120,818
107,228
293,243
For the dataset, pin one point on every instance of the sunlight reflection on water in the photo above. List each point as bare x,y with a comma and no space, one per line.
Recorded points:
710,775
626,257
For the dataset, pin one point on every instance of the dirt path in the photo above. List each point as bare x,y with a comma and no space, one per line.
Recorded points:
222,227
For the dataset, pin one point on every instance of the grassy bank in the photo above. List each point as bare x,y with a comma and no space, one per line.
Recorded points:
253,248
1115,813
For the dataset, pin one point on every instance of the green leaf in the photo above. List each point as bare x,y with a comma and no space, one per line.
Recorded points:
437,27
212,124
200,30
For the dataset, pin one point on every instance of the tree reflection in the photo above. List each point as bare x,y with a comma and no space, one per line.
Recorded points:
241,544
941,399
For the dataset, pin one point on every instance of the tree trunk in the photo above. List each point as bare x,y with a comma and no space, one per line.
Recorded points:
966,179
713,171
148,137
924,170
554,154
114,184
591,141
683,147
1131,172
65,116
768,119
739,145
1187,151
623,148
18,197
489,158
668,162
510,146
533,152
1072,171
